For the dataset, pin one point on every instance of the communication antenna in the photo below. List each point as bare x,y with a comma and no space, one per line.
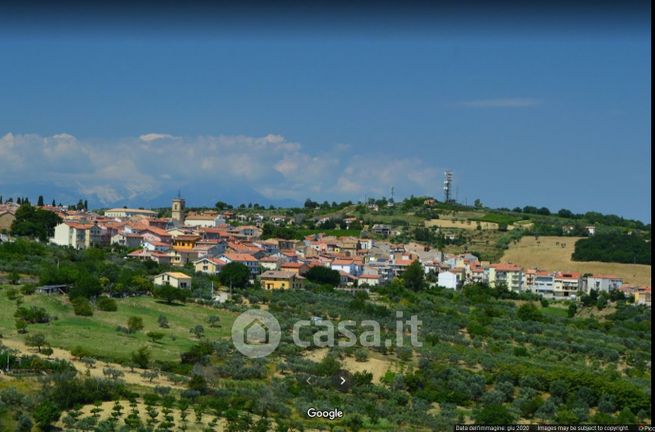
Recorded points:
447,185
391,193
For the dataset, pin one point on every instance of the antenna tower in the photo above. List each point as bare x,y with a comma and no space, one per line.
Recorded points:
448,185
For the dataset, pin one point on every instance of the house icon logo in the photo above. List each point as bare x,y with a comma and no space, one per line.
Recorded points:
256,333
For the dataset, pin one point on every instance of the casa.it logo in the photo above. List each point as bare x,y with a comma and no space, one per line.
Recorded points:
256,333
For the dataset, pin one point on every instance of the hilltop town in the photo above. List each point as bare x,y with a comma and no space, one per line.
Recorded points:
368,255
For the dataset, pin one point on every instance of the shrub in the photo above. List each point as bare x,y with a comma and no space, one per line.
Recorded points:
520,351
141,357
13,278
361,355
529,312
32,315
155,336
171,294
80,352
81,306
36,340
198,331
28,289
11,293
134,324
163,321
494,414
213,320
106,304
323,275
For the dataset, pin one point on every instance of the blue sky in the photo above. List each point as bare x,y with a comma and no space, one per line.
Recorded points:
549,119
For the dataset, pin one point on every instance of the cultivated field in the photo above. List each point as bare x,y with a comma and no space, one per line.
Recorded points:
192,423
462,224
98,334
547,253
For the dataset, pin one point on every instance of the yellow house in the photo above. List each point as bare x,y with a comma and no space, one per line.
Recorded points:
185,242
208,265
510,275
273,279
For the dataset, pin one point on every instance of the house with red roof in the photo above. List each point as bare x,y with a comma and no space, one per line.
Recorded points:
209,265
246,259
508,274
566,285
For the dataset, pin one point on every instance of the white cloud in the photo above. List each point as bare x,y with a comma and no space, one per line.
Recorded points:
150,137
144,167
502,103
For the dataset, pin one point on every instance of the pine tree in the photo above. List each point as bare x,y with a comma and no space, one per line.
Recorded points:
54,204
40,201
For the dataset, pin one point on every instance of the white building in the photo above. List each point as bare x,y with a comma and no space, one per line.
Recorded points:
174,279
210,220
448,279
368,279
246,259
77,235
129,240
604,283
543,284
344,265
129,212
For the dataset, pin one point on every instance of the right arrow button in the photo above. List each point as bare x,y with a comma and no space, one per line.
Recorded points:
342,380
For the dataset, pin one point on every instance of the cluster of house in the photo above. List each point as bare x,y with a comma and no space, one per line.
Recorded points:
210,240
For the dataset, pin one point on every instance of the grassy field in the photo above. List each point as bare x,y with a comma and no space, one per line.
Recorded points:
547,253
98,333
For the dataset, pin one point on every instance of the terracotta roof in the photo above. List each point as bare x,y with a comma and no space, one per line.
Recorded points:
277,274
292,265
214,260
186,237
269,259
157,231
140,252
78,225
506,267
239,257
567,275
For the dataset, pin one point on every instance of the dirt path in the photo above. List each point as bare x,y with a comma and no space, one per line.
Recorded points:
129,376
